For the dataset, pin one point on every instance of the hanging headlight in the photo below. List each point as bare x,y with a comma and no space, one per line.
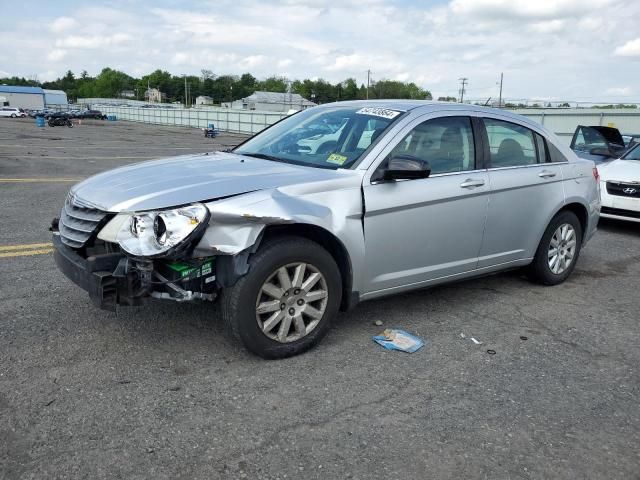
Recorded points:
147,234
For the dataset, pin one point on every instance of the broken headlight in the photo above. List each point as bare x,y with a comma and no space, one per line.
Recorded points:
153,233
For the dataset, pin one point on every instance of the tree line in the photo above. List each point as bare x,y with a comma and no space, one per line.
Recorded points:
110,83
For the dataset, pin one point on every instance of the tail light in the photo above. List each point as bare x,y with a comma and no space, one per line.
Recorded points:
596,174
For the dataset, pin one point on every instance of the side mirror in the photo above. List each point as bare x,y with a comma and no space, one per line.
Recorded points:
605,152
406,167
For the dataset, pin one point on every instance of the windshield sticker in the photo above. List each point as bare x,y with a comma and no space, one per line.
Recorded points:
337,159
379,112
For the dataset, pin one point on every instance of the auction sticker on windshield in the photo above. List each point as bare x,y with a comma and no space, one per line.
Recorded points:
379,112
337,159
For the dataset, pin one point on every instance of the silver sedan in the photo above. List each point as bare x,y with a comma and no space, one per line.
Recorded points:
331,206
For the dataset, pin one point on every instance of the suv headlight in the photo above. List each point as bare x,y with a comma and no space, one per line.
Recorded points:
153,233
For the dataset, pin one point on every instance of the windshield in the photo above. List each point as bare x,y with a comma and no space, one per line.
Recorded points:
633,154
333,137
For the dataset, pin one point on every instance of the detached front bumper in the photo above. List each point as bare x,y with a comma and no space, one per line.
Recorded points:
93,274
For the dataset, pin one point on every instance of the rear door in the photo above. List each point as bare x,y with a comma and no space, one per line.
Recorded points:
526,188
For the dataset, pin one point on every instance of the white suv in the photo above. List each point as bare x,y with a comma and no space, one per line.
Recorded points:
12,112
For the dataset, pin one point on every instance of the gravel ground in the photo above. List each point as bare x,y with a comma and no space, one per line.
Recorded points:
159,392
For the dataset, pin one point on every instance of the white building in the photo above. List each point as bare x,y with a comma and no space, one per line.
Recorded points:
55,97
154,95
204,100
31,98
273,101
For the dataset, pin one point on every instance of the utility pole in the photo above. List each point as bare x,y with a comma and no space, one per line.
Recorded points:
368,79
500,98
185,91
464,83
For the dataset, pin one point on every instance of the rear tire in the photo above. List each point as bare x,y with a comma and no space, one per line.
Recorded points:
13,115
274,317
558,251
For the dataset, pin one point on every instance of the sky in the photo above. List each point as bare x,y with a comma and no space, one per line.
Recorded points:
575,50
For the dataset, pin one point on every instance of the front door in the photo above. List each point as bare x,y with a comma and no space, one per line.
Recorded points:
420,230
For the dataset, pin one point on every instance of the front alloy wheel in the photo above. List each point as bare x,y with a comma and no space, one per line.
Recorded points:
291,302
285,303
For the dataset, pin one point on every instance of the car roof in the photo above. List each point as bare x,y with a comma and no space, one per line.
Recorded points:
428,106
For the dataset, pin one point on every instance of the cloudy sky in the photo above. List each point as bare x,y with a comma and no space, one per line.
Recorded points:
548,49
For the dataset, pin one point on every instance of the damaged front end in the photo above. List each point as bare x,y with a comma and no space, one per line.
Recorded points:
124,258
191,252
179,254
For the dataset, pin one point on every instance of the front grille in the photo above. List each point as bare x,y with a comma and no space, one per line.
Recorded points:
78,222
620,212
624,189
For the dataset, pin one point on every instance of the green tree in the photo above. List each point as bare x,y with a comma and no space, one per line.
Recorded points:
273,84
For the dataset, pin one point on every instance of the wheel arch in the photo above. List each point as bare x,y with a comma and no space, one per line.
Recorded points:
581,212
576,208
329,242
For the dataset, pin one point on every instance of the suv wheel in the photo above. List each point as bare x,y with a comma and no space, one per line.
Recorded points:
13,115
286,302
558,251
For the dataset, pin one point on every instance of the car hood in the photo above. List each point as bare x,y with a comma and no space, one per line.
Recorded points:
180,180
621,170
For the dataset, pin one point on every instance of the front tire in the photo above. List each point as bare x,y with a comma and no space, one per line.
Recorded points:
285,304
558,251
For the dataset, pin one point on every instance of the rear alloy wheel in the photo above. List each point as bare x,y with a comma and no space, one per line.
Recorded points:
562,248
285,303
558,251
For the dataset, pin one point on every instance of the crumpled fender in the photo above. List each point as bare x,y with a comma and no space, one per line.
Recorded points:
236,223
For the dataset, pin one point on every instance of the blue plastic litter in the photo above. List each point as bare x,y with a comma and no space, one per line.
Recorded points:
396,339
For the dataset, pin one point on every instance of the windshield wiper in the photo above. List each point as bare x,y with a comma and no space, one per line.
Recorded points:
264,156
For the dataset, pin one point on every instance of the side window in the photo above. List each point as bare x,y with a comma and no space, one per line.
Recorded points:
446,143
543,153
510,145
555,155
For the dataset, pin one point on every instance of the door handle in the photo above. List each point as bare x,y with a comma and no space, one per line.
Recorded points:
471,183
546,174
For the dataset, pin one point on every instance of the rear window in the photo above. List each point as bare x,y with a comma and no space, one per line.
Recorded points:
510,145
555,155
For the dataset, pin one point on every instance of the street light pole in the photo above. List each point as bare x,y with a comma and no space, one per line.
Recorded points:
500,98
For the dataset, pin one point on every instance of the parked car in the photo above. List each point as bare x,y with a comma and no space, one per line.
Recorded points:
600,144
620,187
12,112
97,114
283,237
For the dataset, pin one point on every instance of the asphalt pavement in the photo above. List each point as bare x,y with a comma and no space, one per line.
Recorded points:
160,392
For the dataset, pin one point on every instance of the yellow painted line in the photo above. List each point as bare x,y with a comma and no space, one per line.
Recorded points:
39,180
27,246
26,253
